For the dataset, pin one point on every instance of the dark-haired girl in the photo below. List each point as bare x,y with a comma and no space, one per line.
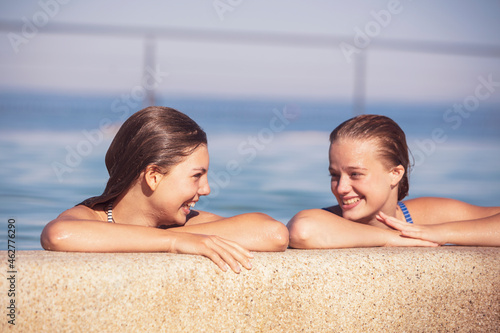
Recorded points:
157,164
369,164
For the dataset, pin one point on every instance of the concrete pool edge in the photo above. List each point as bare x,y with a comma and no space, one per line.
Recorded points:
370,289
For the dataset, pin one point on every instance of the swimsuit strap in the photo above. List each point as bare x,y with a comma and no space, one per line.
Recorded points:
405,211
109,209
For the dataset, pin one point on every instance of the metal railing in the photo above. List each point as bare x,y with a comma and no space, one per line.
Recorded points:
151,36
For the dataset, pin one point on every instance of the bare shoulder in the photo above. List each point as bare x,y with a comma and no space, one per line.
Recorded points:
432,210
81,212
318,215
198,216
333,209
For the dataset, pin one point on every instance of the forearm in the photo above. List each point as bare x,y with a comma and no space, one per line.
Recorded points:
95,236
253,231
77,235
480,232
316,229
319,229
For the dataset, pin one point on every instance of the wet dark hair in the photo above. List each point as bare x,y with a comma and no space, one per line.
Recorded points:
155,135
390,138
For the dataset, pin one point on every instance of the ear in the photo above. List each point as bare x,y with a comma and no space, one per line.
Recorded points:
152,176
397,174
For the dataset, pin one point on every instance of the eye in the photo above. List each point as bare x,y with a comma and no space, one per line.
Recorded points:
356,175
334,176
198,175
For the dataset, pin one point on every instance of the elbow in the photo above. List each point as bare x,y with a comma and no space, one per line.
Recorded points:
275,238
280,237
53,237
300,231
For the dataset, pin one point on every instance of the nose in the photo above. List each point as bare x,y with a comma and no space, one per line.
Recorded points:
343,186
204,188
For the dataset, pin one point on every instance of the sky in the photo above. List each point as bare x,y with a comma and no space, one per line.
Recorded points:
276,49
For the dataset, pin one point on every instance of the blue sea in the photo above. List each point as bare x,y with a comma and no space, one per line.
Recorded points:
267,156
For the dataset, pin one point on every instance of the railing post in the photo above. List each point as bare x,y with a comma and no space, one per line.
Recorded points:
359,89
149,62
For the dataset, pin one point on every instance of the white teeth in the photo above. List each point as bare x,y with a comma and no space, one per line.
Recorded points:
350,201
190,205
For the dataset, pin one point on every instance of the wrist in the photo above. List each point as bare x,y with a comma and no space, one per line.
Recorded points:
391,238
383,237
441,233
167,241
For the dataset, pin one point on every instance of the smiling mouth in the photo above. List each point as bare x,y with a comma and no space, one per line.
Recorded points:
350,201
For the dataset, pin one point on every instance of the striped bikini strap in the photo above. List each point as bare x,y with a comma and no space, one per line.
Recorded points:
405,211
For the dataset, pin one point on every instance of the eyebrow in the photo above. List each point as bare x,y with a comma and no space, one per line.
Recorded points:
200,169
356,168
351,168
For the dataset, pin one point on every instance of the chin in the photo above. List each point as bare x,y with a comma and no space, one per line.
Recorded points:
182,220
350,217
181,224
356,217
172,223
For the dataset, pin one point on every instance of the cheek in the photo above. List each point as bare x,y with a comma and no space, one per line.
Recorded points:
188,188
333,187
366,185
177,192
379,184
384,180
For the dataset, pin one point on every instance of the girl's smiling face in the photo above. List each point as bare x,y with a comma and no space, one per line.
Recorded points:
361,182
179,189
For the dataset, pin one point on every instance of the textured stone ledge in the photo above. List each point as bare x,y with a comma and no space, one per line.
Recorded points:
447,289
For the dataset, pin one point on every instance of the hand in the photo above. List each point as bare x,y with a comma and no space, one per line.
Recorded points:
221,251
409,234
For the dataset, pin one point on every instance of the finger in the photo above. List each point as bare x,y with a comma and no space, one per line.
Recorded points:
420,242
230,260
227,257
236,252
214,249
217,254
410,231
237,246
394,222
402,240
384,217
214,256
227,253
411,234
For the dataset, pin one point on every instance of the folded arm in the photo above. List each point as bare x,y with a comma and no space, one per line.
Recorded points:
254,231
450,221
320,229
77,234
